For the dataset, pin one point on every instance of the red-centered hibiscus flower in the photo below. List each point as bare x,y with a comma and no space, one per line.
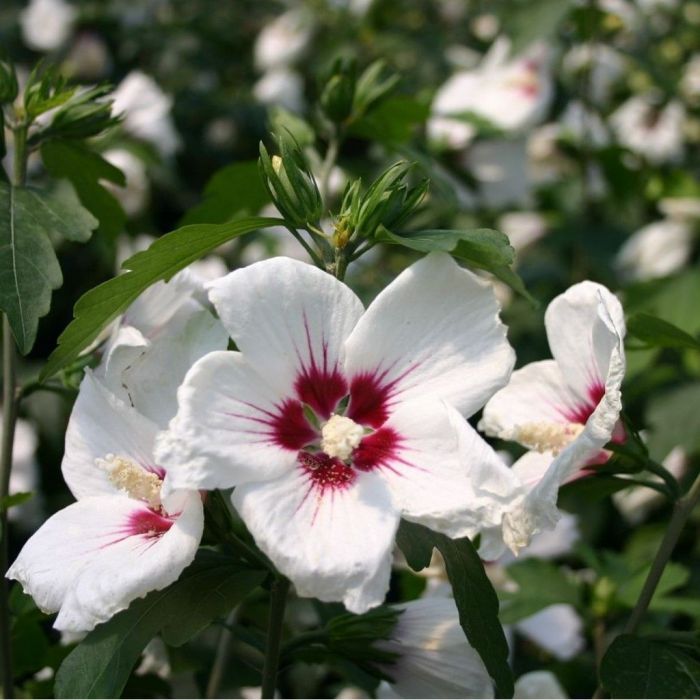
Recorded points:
333,422
564,409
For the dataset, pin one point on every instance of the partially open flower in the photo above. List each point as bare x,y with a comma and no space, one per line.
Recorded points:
565,409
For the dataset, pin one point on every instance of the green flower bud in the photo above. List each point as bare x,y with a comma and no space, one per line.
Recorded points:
338,94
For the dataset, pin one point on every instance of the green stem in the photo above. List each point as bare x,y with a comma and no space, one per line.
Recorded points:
222,650
324,176
681,512
278,602
6,447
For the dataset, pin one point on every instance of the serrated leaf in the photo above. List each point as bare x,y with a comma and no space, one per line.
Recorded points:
474,595
656,332
234,190
29,270
72,160
99,667
165,257
642,668
482,248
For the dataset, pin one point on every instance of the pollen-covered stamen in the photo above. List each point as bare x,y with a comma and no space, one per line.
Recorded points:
547,437
340,435
133,479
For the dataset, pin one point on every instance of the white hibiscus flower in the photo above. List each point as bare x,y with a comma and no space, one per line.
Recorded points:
564,410
123,537
332,421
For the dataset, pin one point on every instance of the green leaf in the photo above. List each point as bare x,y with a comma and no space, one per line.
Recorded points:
641,668
673,421
85,169
165,257
393,121
540,584
482,248
474,595
674,576
656,332
29,270
232,191
526,21
99,667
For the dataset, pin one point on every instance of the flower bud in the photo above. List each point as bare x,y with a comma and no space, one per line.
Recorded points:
290,183
338,93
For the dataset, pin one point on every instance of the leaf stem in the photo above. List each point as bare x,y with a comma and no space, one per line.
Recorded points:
222,651
9,416
327,166
278,602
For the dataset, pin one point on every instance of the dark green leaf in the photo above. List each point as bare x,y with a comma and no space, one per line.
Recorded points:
166,256
232,191
99,667
656,332
640,668
392,122
85,168
525,21
474,595
29,270
482,248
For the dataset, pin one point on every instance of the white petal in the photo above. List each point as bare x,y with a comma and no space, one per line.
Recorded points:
432,472
537,393
227,429
102,424
147,374
584,326
288,318
558,629
539,685
433,332
334,544
435,660
89,560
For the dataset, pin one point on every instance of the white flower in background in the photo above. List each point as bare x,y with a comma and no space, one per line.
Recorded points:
123,537
582,125
637,502
523,228
89,58
558,629
281,87
47,24
564,410
284,40
435,660
155,659
681,208
601,65
656,250
654,132
24,477
146,111
322,479
133,197
159,337
501,169
690,82
512,94
358,8
539,685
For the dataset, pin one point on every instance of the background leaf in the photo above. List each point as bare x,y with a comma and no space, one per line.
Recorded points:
659,333
641,668
29,270
474,595
165,257
100,665
85,168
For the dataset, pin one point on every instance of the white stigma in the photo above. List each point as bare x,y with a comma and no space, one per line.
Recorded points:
547,437
133,479
340,436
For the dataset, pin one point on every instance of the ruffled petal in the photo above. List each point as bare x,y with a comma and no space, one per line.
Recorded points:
230,428
585,326
290,321
438,469
433,332
328,528
93,558
102,424
537,394
146,373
